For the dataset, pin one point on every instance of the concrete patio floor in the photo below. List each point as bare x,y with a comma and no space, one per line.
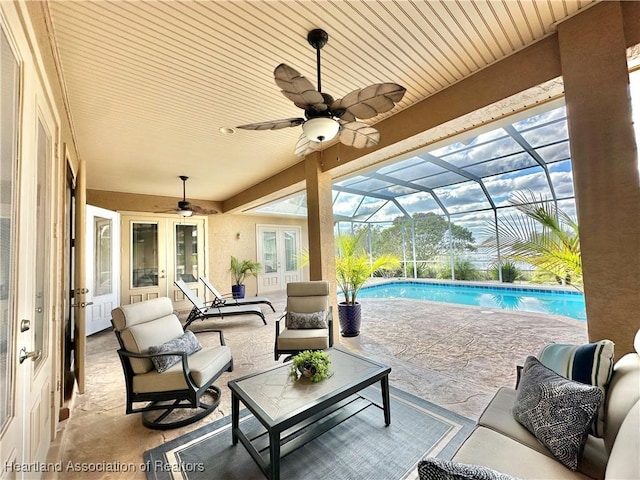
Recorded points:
452,355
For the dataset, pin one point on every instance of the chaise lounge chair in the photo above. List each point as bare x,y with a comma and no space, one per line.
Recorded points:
202,312
224,300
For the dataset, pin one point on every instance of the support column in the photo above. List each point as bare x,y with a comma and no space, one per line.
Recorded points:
322,253
605,169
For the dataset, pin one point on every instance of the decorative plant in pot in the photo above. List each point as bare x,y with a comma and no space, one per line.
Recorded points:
353,267
240,270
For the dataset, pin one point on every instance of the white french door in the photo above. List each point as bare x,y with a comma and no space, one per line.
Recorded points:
157,250
102,262
29,287
278,250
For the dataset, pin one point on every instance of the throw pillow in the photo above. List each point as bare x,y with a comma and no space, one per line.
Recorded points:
591,364
186,342
558,411
296,320
436,469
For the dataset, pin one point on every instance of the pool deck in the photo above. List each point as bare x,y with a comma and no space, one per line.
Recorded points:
453,355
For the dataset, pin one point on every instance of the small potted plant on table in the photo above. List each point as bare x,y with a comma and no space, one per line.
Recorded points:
311,364
240,270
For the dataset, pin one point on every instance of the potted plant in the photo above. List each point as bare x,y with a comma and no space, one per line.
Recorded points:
241,269
311,364
353,267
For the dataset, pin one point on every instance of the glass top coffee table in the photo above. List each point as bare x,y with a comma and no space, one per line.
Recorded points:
290,410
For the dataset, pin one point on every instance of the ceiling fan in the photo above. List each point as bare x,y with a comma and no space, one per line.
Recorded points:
186,208
325,117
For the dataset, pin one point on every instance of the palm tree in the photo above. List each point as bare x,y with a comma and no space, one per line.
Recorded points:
544,236
354,267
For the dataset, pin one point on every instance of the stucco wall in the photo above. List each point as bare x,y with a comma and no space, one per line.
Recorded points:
224,241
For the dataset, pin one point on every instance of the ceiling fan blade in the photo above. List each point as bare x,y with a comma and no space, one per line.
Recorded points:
298,89
305,146
358,135
273,124
203,211
369,101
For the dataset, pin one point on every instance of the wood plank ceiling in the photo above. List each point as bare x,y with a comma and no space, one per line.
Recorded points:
150,83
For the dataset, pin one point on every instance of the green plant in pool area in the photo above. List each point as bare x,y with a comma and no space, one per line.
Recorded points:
354,266
312,364
542,235
510,273
463,270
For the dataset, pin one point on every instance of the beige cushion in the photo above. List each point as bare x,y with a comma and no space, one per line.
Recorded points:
203,365
308,297
499,452
624,461
623,392
138,338
498,416
304,339
139,328
128,315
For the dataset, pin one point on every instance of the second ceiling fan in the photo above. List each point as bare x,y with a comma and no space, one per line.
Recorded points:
325,117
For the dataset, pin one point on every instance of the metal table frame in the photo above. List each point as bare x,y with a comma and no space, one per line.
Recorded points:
281,436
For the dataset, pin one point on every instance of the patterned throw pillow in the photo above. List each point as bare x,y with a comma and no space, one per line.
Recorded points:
591,364
296,320
436,469
558,411
186,342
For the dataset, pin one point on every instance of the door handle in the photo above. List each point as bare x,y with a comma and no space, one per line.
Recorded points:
81,304
32,355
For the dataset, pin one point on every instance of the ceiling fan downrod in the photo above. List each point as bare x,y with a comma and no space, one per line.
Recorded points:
184,187
318,38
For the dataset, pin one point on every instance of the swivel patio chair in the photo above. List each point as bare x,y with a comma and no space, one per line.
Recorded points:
200,311
308,319
225,300
166,367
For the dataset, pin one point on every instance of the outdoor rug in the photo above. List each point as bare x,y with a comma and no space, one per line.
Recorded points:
359,448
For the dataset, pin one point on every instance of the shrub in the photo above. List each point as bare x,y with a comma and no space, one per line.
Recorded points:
510,273
463,270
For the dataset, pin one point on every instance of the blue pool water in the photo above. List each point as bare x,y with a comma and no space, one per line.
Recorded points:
569,304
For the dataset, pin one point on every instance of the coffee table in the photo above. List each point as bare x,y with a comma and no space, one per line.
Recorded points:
290,410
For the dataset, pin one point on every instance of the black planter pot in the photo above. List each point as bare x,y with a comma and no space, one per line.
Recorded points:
350,319
237,291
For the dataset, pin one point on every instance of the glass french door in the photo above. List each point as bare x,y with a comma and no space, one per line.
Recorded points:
158,251
102,278
278,250
29,174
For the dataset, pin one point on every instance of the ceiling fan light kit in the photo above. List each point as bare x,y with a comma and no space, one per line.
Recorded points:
325,117
320,129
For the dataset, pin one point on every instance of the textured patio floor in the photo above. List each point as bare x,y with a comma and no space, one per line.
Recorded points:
452,355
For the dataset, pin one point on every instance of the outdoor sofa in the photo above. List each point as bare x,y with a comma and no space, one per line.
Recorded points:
507,449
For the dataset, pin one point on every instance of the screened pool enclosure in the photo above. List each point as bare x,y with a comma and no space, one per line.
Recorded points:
439,209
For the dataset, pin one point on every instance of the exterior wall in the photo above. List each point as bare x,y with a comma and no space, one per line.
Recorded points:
224,242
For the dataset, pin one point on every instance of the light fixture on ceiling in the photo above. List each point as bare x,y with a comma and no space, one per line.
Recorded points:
320,129
227,130
185,212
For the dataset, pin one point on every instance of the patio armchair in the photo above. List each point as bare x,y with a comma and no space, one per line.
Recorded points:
226,300
308,319
200,311
166,367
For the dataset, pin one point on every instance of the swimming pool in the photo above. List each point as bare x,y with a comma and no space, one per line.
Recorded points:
567,303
